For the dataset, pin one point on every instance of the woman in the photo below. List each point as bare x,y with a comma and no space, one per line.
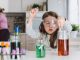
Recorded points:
48,28
4,33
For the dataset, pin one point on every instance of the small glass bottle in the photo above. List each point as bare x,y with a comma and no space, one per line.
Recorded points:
63,43
40,49
15,43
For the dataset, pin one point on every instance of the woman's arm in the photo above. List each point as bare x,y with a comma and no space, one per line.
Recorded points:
32,15
29,29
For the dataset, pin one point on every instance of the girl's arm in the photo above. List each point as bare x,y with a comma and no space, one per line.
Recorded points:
65,25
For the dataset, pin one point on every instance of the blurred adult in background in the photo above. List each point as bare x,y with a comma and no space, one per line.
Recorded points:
4,32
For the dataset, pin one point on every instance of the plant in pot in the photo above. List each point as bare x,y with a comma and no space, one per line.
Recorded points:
75,29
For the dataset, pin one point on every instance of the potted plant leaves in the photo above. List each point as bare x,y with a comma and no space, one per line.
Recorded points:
75,29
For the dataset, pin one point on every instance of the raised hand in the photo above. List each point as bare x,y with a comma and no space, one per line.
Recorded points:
61,22
33,12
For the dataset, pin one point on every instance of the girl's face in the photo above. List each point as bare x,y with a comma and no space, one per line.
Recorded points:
50,24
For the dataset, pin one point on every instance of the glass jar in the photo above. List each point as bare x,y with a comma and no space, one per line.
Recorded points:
63,43
40,49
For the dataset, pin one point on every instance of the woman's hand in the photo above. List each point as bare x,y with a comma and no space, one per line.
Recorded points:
61,22
33,12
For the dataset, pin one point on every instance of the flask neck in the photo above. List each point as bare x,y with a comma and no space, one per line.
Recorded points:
62,34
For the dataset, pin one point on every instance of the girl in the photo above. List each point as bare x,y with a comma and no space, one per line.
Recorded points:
48,28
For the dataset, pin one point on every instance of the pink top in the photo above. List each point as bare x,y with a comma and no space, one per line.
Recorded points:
3,21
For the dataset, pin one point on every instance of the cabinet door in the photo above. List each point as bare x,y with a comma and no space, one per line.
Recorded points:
10,24
59,6
15,6
4,4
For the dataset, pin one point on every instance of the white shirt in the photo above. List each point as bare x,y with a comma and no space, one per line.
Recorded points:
36,34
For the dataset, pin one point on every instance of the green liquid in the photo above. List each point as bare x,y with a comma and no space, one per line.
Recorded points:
40,52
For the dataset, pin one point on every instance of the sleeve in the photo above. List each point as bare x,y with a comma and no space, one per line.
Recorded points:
67,26
31,32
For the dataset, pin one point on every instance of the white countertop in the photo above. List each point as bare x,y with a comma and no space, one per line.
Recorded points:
74,53
52,55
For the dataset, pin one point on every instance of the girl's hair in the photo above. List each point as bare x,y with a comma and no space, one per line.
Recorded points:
1,10
42,30
50,13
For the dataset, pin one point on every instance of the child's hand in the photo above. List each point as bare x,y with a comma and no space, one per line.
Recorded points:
61,22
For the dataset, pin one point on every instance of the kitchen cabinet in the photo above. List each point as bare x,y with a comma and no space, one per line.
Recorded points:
21,5
16,19
14,6
58,6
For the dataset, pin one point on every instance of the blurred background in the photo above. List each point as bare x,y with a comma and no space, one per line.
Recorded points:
17,12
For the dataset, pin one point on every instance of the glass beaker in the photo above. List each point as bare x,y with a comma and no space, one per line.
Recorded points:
40,49
63,43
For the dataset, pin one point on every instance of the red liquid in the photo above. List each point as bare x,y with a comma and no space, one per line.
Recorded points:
63,47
